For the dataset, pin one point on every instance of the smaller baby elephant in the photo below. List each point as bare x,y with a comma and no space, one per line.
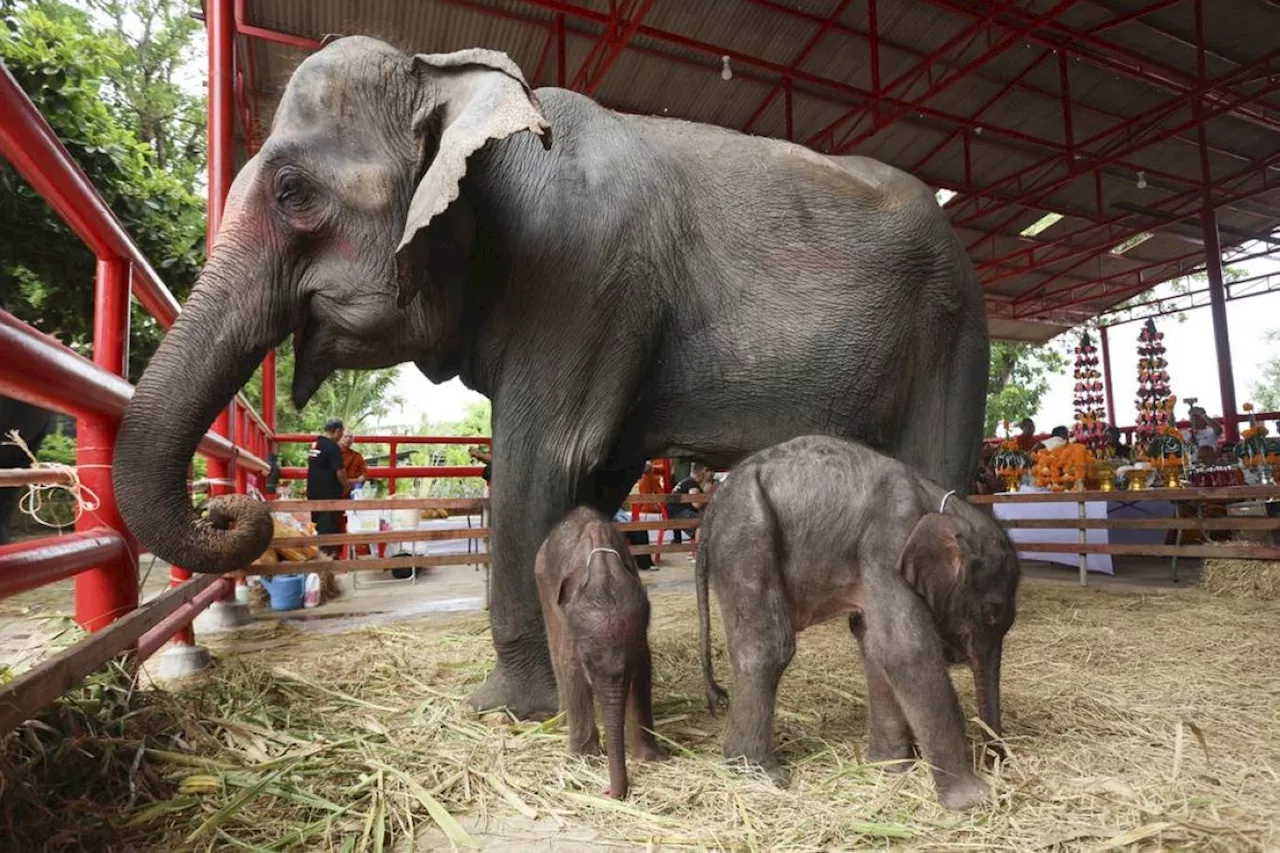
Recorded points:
597,617
820,527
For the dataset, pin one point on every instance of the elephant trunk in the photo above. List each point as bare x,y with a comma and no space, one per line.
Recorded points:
986,683
613,699
206,357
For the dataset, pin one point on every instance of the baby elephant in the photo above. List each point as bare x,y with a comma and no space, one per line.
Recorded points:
597,617
819,527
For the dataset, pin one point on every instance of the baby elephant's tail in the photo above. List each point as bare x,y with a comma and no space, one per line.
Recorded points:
715,693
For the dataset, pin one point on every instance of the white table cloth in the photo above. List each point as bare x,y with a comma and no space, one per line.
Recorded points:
1100,563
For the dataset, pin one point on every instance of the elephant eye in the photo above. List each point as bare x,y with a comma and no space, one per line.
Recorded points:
291,191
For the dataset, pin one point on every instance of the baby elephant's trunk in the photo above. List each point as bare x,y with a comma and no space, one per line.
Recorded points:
986,683
613,699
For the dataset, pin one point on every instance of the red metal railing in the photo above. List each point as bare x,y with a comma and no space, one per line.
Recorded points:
392,472
102,555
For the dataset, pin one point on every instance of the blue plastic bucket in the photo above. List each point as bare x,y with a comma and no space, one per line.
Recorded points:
286,591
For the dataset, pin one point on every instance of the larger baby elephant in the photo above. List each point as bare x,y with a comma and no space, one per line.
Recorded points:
818,527
597,617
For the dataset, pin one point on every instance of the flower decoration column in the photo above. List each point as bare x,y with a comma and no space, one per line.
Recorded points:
1090,427
1155,404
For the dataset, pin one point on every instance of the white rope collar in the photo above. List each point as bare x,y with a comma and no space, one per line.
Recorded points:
595,551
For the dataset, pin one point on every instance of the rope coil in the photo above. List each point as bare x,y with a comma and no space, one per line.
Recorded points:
85,499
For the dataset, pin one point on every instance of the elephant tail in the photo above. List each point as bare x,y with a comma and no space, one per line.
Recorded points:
702,566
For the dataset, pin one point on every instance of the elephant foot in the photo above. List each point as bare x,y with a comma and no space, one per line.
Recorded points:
650,752
963,793
895,759
529,697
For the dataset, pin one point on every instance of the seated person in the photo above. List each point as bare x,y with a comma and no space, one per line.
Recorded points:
1027,440
1060,436
1113,447
699,481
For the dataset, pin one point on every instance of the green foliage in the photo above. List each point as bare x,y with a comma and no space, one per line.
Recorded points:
81,79
360,397
1019,379
57,447
477,420
1266,390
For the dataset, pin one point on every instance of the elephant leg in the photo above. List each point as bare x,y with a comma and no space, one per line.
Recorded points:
890,733
900,638
761,643
640,738
533,486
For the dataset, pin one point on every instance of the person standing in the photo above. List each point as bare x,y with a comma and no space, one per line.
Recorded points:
327,479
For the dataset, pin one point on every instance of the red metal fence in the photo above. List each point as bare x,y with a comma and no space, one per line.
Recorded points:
101,555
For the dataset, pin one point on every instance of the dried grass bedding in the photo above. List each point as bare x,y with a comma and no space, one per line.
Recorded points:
1133,721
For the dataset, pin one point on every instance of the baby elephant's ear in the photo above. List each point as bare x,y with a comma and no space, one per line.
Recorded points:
931,560
478,95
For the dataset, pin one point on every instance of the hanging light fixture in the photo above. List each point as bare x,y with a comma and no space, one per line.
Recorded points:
726,73
1142,180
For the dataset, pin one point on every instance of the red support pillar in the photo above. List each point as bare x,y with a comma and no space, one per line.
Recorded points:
560,61
789,110
1213,253
108,592
391,463
1106,376
1218,308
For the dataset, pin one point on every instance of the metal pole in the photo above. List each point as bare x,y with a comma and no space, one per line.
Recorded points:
1106,376
1084,558
108,592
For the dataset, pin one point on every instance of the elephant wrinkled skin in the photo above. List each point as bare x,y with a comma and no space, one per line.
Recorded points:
819,527
620,287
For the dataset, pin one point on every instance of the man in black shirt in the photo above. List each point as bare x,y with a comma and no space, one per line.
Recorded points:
327,479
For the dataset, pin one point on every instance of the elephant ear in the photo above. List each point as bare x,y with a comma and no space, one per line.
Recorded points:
480,95
931,560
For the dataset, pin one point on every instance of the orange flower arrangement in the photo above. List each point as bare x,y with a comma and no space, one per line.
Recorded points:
1062,467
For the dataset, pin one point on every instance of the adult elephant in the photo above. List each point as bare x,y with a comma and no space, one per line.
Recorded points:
643,287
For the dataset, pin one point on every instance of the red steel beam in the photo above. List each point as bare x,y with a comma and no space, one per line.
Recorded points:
1109,239
966,37
301,438
178,622
875,42
560,45
1102,289
1110,57
543,56
400,473
803,54
1071,247
610,45
1121,141
34,563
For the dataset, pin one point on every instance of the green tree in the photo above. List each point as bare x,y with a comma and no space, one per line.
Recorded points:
77,76
1266,390
476,421
360,397
1018,380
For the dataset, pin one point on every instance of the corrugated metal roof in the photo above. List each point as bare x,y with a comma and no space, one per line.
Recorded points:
671,67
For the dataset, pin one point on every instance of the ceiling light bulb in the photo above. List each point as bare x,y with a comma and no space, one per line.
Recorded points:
726,73
1142,180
